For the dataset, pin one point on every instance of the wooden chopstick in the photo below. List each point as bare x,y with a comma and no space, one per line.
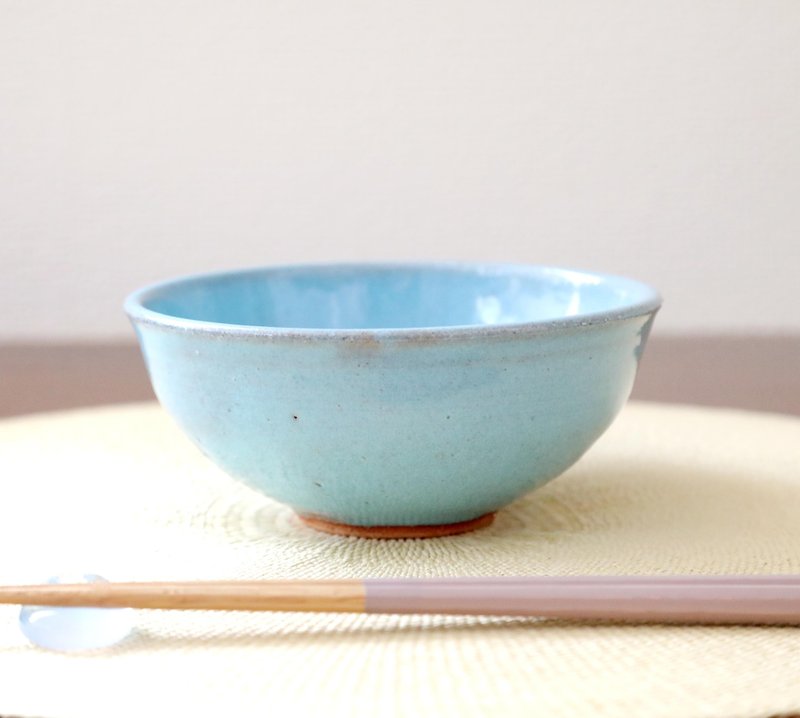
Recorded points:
684,599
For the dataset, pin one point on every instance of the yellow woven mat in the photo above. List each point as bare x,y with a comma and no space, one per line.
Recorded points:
120,492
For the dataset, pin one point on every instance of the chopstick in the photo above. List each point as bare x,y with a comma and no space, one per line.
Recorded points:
683,599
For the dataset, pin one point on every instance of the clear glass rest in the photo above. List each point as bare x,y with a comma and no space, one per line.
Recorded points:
71,629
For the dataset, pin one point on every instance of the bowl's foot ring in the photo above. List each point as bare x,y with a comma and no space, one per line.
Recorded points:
398,532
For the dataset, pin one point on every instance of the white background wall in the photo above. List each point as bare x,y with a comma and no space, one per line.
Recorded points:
146,138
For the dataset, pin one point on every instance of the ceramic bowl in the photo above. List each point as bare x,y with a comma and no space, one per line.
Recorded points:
394,400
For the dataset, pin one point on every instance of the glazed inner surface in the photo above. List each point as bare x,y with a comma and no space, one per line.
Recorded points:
395,297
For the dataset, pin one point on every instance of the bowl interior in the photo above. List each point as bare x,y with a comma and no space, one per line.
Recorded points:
394,296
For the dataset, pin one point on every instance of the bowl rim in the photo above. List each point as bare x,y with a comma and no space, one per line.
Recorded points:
649,302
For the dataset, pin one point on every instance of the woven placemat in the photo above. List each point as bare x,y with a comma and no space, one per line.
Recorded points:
119,491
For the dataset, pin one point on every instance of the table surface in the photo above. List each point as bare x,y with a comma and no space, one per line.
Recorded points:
760,373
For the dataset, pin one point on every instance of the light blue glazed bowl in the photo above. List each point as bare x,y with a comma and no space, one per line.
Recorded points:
394,400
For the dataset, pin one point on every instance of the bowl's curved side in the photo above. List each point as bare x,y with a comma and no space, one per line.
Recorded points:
377,432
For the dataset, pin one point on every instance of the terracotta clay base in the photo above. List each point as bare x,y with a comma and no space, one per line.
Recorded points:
397,532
